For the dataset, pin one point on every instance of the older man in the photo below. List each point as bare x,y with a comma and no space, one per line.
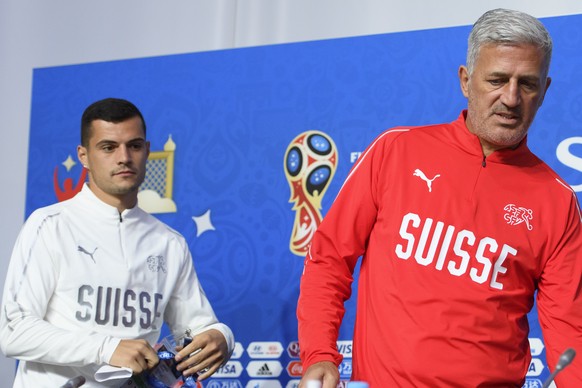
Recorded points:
459,225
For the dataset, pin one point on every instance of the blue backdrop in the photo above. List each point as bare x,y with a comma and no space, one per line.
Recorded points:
232,115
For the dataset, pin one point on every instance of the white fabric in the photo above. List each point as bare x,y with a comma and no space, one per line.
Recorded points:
82,277
109,373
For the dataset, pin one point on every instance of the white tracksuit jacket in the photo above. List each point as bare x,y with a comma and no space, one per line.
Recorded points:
82,277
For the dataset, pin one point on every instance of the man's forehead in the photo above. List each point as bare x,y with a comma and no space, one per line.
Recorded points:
115,140
127,130
506,46
499,56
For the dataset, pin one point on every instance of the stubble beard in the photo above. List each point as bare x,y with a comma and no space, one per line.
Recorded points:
495,134
125,187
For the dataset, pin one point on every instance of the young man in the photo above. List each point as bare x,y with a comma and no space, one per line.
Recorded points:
459,225
92,279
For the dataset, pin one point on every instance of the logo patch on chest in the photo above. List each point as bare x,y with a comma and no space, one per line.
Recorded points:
422,176
157,263
516,215
87,253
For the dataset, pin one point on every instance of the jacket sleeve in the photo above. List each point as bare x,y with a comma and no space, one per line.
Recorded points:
559,300
189,308
30,282
335,248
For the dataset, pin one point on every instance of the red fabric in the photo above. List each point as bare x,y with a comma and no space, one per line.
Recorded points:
449,267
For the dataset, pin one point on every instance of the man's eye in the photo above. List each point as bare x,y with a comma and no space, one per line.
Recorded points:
495,82
529,85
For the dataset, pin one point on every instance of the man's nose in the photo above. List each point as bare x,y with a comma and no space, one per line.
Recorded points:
123,155
511,94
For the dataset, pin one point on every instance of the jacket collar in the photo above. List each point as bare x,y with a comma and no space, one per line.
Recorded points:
471,144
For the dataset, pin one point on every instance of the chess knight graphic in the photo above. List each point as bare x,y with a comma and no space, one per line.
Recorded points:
310,163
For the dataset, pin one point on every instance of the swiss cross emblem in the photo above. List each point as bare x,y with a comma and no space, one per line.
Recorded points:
516,215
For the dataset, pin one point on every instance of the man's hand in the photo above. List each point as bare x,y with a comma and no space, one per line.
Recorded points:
137,355
324,371
207,352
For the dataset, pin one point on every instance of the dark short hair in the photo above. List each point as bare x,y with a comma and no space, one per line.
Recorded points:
112,110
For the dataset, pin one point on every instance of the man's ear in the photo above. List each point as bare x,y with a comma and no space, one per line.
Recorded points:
82,156
548,82
464,80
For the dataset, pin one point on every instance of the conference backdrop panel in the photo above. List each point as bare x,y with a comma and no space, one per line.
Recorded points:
226,128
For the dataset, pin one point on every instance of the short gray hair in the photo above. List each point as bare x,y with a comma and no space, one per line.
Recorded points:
505,26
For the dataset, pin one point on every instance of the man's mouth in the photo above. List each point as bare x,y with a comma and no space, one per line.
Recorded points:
508,117
124,172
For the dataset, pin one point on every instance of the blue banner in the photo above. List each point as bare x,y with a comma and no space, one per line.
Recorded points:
228,127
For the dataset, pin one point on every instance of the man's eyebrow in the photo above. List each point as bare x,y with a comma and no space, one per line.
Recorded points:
501,74
497,74
105,141
134,140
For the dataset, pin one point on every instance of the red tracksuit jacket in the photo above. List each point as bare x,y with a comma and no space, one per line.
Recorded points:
454,247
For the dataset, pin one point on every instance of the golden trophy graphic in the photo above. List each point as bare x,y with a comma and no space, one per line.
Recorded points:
310,163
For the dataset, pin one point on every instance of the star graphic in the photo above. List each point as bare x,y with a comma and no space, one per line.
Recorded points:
203,223
69,163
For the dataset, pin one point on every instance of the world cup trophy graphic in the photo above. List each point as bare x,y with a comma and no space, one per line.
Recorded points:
310,164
